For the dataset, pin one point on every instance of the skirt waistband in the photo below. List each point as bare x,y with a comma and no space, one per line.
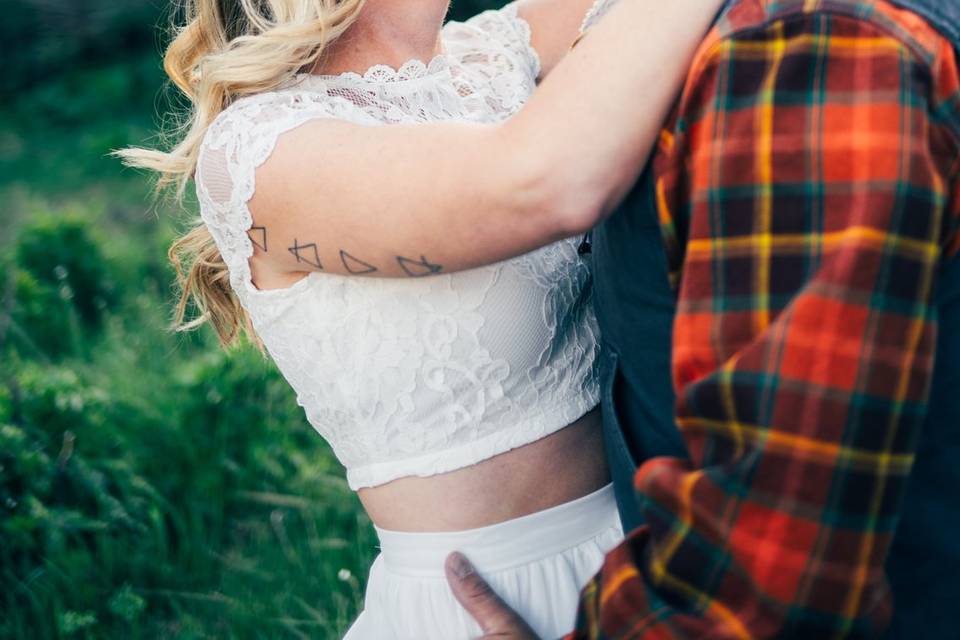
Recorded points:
504,545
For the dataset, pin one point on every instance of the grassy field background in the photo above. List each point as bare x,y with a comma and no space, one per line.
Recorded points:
151,485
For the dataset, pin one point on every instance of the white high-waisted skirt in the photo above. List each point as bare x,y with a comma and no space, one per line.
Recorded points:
538,564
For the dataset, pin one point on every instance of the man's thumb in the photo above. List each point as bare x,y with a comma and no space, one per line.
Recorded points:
480,601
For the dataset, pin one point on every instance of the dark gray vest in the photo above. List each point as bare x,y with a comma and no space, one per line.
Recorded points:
636,308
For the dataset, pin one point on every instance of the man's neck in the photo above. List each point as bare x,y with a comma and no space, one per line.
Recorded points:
388,32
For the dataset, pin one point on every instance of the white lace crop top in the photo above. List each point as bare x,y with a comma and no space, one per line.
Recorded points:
412,377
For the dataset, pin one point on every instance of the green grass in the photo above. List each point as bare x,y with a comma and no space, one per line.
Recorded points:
151,485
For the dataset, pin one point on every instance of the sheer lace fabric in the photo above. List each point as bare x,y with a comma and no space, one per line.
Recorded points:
412,376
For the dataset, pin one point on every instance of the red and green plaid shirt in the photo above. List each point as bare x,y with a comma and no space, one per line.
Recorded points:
808,189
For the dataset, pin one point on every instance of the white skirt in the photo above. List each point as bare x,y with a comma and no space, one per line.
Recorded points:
537,563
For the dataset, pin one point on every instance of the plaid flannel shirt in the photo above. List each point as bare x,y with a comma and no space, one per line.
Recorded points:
808,188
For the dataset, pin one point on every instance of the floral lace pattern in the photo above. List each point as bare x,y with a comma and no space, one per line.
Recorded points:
412,376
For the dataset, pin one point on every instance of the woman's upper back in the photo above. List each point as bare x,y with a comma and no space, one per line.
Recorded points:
428,374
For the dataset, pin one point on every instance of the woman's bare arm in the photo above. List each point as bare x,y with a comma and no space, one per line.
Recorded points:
412,200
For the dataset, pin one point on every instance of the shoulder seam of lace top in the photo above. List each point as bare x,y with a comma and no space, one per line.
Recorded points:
596,11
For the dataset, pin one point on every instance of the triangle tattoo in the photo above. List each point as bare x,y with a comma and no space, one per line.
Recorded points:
418,268
355,265
258,236
306,253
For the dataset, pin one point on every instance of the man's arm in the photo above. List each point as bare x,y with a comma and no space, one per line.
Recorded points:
813,176
815,202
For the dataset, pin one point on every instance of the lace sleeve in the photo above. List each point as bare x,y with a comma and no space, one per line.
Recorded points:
597,11
236,144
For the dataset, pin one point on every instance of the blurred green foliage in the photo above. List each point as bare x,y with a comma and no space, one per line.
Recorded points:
39,38
59,254
151,485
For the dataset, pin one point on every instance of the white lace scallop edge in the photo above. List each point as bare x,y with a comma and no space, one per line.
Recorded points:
378,473
595,13
410,70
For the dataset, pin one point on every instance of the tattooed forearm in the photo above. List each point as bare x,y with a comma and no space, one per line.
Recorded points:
306,253
309,254
258,236
354,265
418,268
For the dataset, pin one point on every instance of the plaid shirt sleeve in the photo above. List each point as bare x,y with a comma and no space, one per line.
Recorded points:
807,193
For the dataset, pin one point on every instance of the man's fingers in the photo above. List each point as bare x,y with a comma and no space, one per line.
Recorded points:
481,602
475,595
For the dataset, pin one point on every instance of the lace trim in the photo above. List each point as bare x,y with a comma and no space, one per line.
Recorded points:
383,73
470,453
597,11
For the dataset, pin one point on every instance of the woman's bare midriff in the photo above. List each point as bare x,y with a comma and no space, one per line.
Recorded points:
564,466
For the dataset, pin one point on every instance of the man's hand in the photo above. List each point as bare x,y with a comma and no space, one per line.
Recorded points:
497,620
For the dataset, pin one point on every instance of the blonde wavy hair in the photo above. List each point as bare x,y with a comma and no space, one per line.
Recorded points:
228,49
